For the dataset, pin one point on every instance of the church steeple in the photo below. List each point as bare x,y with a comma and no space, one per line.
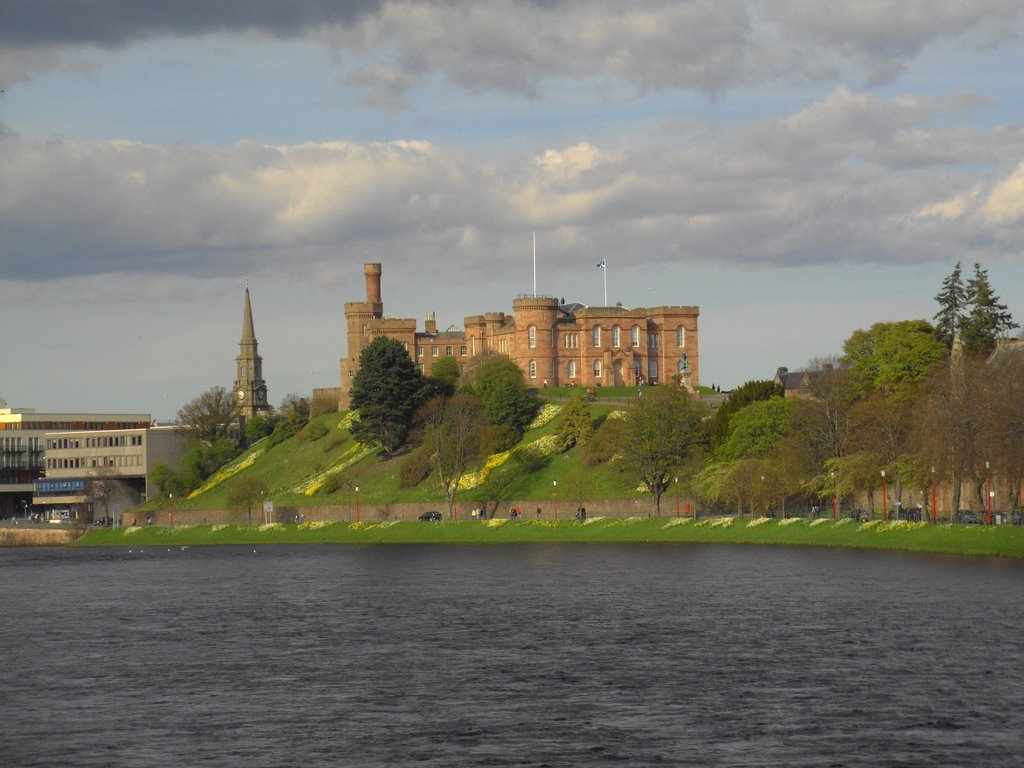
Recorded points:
250,388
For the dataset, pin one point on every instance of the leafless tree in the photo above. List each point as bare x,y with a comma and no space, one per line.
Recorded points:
209,416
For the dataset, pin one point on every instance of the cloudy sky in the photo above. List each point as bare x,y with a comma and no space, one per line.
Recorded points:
797,168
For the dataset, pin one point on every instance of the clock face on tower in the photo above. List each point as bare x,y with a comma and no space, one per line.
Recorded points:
241,394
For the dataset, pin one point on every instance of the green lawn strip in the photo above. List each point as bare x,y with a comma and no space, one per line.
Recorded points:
964,540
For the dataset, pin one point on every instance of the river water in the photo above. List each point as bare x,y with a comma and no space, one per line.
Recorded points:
519,655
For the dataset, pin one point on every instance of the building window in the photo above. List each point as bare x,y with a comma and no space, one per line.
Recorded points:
680,336
652,340
420,367
433,351
652,369
554,370
448,351
462,350
554,337
572,340
634,335
533,369
616,332
531,334
571,370
597,335
597,369
465,367
419,351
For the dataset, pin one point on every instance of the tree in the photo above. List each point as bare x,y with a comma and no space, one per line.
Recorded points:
508,402
210,416
742,396
258,427
756,430
386,391
444,374
987,319
891,357
575,426
662,430
952,301
294,404
826,419
246,493
453,434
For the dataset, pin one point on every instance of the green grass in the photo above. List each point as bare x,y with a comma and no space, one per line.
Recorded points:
1005,541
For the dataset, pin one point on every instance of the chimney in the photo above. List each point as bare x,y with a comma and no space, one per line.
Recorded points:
430,324
372,272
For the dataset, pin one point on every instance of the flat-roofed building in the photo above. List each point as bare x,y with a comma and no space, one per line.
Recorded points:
22,446
99,474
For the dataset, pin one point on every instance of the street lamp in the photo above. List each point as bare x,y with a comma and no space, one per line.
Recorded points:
835,494
676,481
170,507
762,497
885,502
554,496
357,503
935,512
988,494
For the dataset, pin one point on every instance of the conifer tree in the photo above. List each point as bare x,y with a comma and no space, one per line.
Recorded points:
575,426
386,391
987,318
952,301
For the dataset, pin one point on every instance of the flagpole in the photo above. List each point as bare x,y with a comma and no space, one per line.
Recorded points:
535,265
605,270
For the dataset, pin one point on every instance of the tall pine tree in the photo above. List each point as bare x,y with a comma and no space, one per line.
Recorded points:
952,301
386,390
987,319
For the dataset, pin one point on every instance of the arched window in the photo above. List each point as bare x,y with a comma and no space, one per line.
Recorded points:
571,370
680,337
597,335
652,369
634,335
597,369
533,369
531,332
615,335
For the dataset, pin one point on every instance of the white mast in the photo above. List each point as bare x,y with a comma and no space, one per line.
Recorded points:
535,265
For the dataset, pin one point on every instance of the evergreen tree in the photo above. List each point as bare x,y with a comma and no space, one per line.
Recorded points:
952,301
987,319
386,390
575,425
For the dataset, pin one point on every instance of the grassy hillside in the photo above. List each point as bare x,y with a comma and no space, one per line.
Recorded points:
322,465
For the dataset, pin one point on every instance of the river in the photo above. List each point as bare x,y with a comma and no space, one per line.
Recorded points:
517,655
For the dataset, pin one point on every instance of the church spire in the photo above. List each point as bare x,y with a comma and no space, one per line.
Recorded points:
248,333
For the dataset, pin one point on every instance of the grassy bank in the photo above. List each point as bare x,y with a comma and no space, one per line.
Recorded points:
965,540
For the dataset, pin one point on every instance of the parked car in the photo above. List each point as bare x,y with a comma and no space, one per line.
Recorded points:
430,517
967,517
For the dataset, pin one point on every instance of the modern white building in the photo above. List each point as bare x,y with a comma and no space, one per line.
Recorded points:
23,434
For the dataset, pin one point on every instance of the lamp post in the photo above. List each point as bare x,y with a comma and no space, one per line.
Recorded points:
762,497
170,507
935,512
988,494
835,499
676,481
357,503
885,502
554,496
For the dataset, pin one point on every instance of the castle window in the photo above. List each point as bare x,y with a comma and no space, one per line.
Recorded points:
680,336
433,351
531,334
571,370
652,369
554,337
634,335
533,369
448,351
652,340
419,351
597,335
597,369
615,335
462,350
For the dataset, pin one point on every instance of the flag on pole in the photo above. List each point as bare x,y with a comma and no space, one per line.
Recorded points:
601,264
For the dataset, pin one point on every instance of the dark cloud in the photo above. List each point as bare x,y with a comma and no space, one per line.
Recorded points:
112,23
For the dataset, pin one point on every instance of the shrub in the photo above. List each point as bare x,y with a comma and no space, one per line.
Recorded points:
415,469
606,442
317,430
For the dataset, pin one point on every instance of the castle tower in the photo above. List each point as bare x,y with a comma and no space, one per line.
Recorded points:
250,388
